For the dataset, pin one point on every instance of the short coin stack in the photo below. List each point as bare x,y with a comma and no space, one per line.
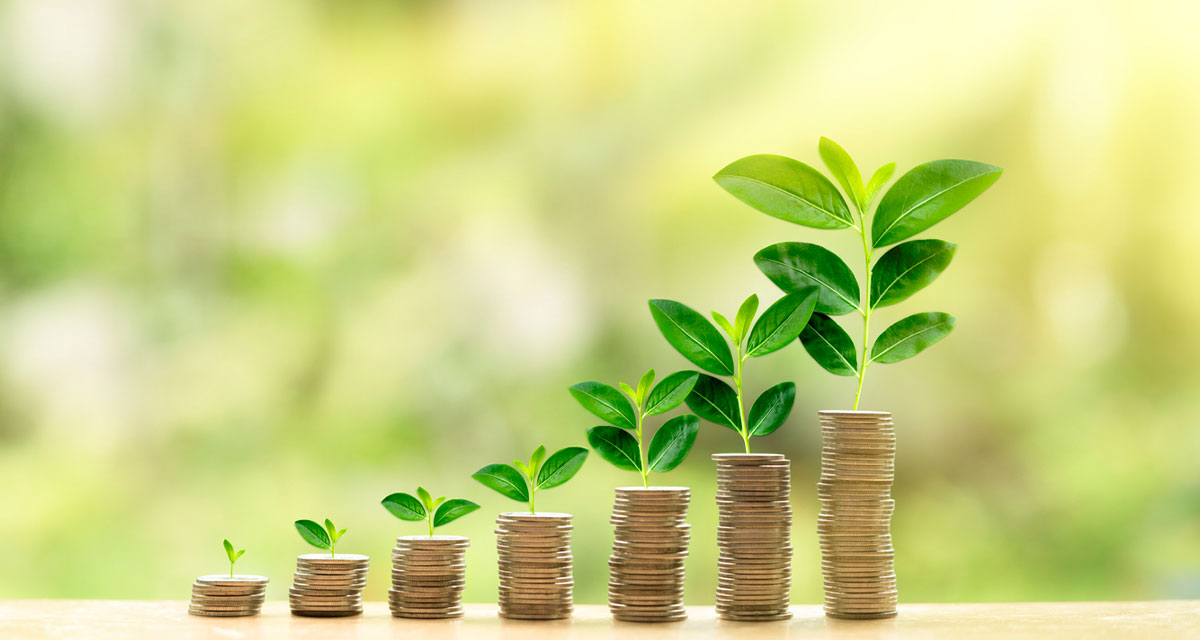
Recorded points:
857,558
227,596
650,543
328,586
534,551
428,575
754,536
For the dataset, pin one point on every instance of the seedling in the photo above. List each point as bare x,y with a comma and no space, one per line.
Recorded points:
320,537
539,473
233,555
696,339
424,507
793,191
615,443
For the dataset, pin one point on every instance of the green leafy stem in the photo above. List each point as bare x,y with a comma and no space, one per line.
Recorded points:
793,191
695,338
320,537
423,506
232,555
615,442
521,481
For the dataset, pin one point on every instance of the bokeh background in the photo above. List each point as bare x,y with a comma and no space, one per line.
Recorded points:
276,259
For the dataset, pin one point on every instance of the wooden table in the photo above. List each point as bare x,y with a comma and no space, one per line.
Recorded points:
168,620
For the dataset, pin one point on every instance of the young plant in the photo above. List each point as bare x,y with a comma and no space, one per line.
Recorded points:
436,512
539,473
320,537
696,339
233,555
793,191
672,441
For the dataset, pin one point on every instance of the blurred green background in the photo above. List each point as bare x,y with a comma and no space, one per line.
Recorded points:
271,260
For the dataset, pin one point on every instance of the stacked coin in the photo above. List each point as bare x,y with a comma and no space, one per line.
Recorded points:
428,574
328,586
227,596
535,565
857,468
754,536
650,543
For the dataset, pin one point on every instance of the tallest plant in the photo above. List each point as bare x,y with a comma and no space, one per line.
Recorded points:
793,191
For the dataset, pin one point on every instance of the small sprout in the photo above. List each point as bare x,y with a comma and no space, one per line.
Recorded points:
320,537
233,555
436,512
522,481
615,442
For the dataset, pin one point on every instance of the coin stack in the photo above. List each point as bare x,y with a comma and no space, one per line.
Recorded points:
535,565
650,543
754,536
227,596
857,468
428,575
328,586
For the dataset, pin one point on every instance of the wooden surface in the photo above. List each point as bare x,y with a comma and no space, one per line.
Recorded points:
138,619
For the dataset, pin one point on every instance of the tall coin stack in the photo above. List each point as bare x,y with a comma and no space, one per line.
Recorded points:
428,575
535,565
328,587
650,543
227,596
857,558
754,536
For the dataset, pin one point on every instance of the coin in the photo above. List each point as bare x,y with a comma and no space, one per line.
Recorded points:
225,596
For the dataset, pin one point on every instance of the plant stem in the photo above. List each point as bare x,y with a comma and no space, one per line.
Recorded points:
532,495
332,546
231,571
866,307
737,381
638,434
429,518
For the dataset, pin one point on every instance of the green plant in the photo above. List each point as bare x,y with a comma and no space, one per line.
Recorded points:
539,473
672,441
696,339
320,537
793,191
233,555
436,512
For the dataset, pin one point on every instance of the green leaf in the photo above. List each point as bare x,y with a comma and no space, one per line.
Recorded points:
716,402
438,501
745,315
793,266
671,391
725,325
229,550
313,534
562,465
405,507
844,170
605,402
672,441
644,385
829,344
927,195
786,189
426,499
694,337
881,176
907,268
523,468
331,529
617,446
504,479
535,461
339,535
629,391
238,555
782,322
771,409
911,336
453,510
